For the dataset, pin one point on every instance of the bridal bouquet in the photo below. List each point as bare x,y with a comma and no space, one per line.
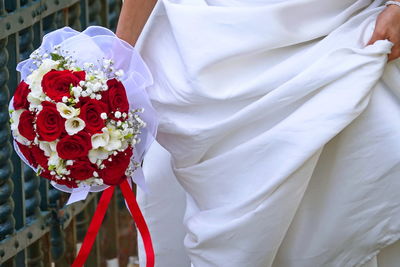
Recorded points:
81,118
74,125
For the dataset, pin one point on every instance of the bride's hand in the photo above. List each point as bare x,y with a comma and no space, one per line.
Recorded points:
388,27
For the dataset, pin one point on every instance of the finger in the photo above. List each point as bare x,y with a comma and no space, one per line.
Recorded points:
395,51
375,37
394,54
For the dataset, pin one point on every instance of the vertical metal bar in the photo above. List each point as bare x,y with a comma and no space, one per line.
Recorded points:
105,11
127,234
94,256
57,247
114,7
95,12
109,239
46,250
26,38
70,234
7,221
84,13
18,193
32,204
74,13
11,5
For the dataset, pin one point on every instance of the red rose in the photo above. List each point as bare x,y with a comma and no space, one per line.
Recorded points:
21,96
49,123
114,171
56,83
34,155
74,146
116,95
25,126
27,152
90,113
82,101
40,157
105,99
82,169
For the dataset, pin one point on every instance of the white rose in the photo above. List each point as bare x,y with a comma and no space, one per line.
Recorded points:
74,125
67,112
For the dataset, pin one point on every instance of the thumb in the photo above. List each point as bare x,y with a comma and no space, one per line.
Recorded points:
375,37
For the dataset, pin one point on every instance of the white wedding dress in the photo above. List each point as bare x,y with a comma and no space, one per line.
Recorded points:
282,130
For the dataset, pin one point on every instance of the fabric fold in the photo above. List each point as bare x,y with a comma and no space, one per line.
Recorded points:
276,117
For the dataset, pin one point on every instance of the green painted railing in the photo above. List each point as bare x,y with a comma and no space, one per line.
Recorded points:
36,229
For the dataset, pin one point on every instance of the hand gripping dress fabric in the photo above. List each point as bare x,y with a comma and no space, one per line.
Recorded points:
283,130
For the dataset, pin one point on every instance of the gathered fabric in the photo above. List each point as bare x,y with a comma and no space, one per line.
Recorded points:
283,128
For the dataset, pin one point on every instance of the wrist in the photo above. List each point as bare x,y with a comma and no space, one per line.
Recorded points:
393,2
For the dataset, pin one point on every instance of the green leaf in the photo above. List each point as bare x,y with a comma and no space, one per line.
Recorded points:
52,167
56,57
128,136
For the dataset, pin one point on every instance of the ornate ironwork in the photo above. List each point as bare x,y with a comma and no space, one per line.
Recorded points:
34,223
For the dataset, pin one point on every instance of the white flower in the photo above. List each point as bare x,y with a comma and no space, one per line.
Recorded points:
124,145
15,115
101,139
35,100
35,78
54,160
76,91
47,147
96,154
67,112
119,73
116,138
118,114
106,63
74,125
53,146
103,115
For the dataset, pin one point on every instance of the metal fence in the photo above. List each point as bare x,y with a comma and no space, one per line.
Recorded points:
36,229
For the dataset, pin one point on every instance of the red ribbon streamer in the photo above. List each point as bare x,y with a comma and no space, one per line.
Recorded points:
94,227
98,219
139,220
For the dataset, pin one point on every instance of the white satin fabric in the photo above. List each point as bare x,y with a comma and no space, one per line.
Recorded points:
284,131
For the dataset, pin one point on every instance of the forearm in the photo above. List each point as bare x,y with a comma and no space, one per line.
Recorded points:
134,14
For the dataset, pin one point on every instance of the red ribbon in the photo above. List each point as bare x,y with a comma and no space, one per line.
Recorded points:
94,227
139,220
98,219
